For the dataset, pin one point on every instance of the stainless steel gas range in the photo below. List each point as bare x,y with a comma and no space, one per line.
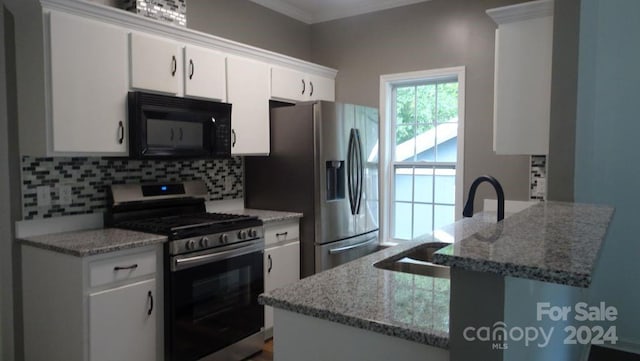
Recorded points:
213,269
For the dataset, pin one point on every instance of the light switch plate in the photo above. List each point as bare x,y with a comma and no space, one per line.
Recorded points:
44,196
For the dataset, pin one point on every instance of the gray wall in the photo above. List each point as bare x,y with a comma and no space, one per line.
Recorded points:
429,35
252,24
564,84
606,167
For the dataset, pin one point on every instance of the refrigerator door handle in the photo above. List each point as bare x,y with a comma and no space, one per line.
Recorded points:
357,245
350,171
360,172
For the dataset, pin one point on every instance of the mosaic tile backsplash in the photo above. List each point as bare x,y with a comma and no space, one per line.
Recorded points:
169,11
538,177
88,179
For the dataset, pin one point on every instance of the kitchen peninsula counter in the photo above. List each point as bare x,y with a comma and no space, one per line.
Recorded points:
551,242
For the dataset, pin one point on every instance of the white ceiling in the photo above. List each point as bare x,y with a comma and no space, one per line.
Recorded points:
316,11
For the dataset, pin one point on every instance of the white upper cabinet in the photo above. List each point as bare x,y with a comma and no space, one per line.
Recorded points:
204,73
292,85
88,86
156,64
77,60
322,88
248,92
522,87
287,84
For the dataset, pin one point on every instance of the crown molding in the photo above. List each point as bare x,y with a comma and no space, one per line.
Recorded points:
287,9
519,12
336,12
364,7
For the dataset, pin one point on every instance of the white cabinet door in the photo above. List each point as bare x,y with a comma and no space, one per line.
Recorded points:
288,85
88,85
204,73
522,89
155,64
321,88
248,92
122,323
281,267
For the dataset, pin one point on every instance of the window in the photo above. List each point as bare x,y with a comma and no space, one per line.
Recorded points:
424,141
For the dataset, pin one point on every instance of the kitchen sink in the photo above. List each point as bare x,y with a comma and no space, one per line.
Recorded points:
418,260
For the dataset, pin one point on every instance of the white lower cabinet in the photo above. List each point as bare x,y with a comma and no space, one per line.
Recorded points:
281,261
97,308
122,323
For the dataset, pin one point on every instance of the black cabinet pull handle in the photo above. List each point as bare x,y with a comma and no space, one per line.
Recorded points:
172,134
122,268
181,134
233,142
281,234
270,263
192,69
174,65
120,132
304,86
150,295
311,84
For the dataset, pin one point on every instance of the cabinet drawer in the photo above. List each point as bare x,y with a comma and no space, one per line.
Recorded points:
281,232
105,271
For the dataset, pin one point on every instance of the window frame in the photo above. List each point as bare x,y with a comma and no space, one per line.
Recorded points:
388,84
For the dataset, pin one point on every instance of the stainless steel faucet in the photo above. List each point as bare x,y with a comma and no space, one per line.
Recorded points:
468,207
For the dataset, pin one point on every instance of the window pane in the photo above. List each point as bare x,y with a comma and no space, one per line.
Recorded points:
423,185
405,105
402,221
425,141
404,184
405,142
444,215
426,103
447,102
422,219
447,139
445,186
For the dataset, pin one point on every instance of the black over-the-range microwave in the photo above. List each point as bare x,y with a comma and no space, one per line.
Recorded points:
167,127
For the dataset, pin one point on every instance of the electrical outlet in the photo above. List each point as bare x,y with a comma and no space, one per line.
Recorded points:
44,196
64,193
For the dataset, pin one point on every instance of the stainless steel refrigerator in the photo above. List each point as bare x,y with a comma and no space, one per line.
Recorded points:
323,163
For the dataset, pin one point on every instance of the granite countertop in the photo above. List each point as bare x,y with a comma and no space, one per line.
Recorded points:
551,241
398,304
92,242
267,216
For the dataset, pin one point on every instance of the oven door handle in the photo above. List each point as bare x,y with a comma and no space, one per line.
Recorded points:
181,262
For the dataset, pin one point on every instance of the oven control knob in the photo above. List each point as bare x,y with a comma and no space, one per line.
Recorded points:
242,234
190,245
224,238
253,233
204,242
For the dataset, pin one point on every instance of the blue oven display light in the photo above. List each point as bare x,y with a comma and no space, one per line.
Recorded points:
163,188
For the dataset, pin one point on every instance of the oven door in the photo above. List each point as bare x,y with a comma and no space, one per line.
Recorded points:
212,301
